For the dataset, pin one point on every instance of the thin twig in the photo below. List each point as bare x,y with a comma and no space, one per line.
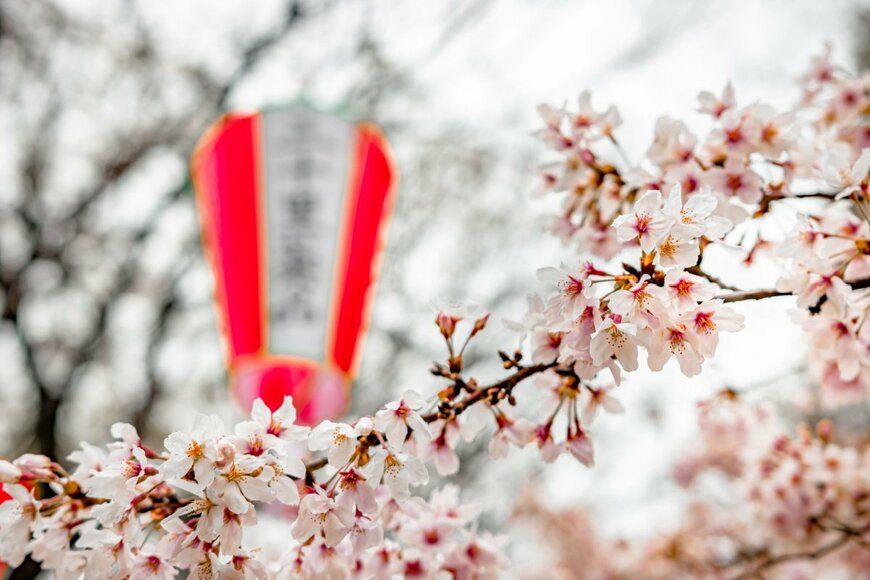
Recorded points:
752,295
817,554
697,271
499,390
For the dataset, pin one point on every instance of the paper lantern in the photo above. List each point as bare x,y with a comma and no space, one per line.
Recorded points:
293,205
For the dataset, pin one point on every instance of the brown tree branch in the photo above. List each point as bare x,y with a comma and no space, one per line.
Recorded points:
451,409
772,293
752,295
768,562
697,271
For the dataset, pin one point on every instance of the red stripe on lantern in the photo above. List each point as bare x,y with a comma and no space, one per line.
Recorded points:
371,195
226,177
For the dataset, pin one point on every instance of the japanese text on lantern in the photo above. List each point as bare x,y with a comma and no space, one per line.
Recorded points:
306,177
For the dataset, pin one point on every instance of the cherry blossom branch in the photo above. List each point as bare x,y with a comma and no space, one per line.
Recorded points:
753,295
451,408
120,513
697,271
826,195
492,393
847,536
772,293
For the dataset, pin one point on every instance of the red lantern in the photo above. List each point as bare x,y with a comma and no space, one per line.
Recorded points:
293,204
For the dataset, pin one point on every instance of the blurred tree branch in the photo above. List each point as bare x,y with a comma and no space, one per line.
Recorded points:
42,220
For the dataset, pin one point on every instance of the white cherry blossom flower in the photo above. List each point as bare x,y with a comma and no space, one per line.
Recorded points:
834,332
673,143
280,471
593,398
771,131
89,459
440,449
696,217
272,430
737,180
339,439
479,555
716,106
734,137
319,514
397,470
152,566
365,533
118,481
707,320
9,473
209,511
551,134
641,304
243,566
396,418
242,482
518,432
194,450
579,444
678,341
231,530
428,532
839,171
646,223
17,516
685,290
356,492
571,299
615,339
678,250
546,344
585,117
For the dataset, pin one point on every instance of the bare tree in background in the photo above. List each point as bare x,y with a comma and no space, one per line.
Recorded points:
92,277
105,298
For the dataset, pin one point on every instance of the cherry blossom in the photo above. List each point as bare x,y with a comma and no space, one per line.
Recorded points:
339,439
17,516
397,418
319,514
646,223
398,471
714,105
192,451
737,180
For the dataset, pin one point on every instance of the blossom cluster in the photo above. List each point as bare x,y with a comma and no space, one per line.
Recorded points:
829,268
789,496
649,285
127,511
689,194
346,488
